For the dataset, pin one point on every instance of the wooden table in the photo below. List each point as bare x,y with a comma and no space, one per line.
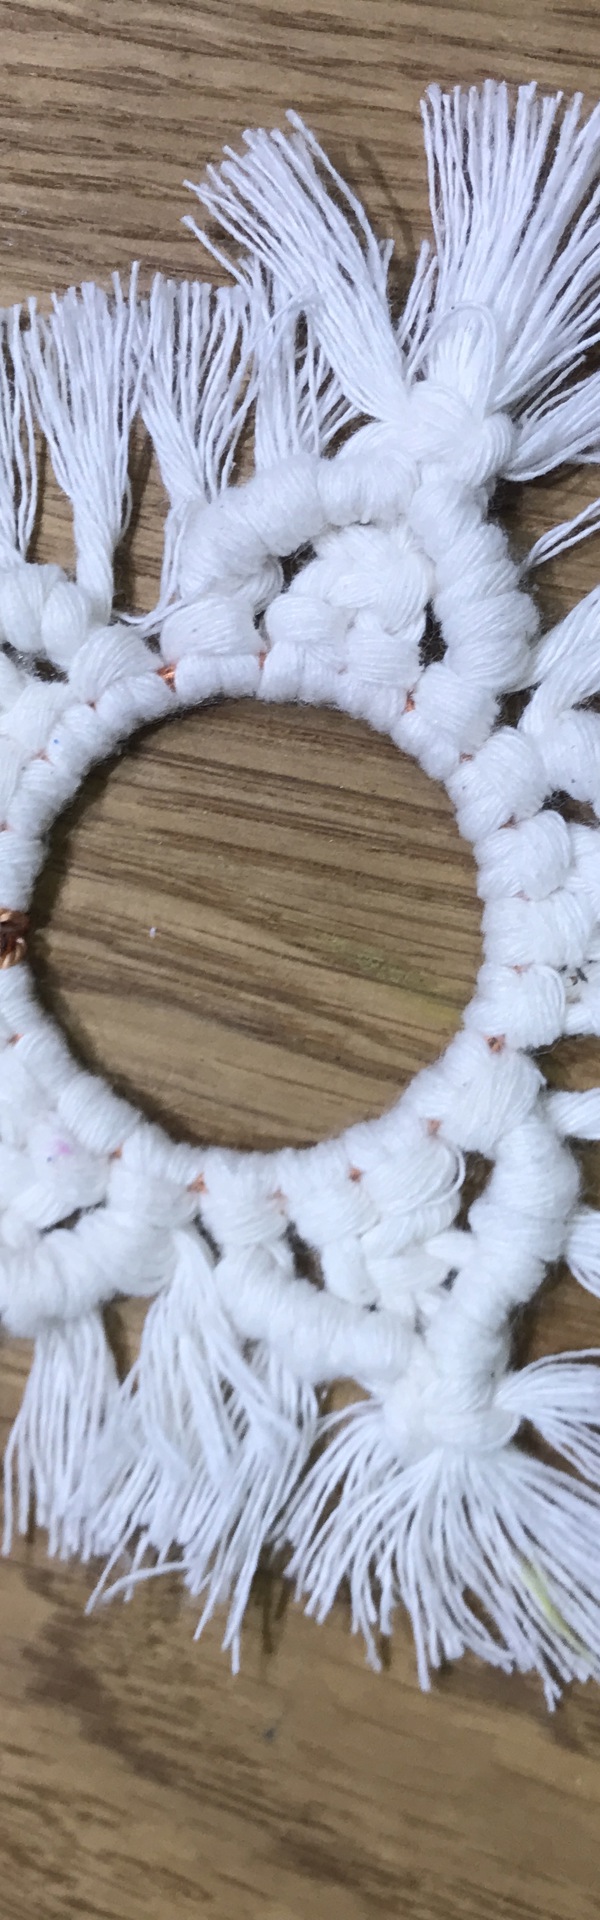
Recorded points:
315,939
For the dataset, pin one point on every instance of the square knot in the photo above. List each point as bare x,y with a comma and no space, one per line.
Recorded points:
423,1411
442,428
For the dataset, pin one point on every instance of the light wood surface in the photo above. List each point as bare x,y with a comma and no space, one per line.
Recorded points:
315,937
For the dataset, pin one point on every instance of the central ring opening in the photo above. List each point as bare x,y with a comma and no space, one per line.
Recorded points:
258,923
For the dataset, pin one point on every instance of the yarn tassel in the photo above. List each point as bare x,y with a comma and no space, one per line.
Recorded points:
23,587
274,202
86,363
490,1552
18,465
71,1391
204,1448
515,201
199,385
300,405
197,390
559,1395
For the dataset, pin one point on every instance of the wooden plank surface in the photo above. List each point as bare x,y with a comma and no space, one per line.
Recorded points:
315,937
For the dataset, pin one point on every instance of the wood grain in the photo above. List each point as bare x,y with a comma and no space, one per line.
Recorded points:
315,937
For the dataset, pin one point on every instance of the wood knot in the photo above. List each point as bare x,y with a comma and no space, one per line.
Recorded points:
13,932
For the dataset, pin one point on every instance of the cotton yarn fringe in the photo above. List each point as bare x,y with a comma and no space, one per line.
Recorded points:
377,447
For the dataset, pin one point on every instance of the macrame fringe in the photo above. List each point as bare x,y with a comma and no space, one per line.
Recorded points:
18,465
205,1444
301,406
214,1449
274,201
489,1553
198,386
70,1396
515,198
86,364
200,1458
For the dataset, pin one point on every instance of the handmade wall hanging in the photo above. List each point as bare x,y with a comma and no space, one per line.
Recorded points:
377,446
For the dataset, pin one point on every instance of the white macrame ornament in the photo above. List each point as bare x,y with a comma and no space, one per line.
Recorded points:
377,449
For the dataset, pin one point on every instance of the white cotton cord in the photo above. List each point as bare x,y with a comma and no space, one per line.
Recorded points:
566,669
25,587
18,465
300,405
318,1333
411,323
474,1545
196,392
203,1451
323,1335
576,1116
515,197
70,1393
560,1397
356,566
274,202
86,367
560,428
568,533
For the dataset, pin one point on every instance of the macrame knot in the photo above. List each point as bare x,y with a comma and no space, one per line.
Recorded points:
371,478
240,1208
24,590
42,612
443,429
425,1410
365,1258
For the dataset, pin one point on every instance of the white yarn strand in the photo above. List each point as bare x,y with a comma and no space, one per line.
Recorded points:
274,201
204,1449
18,466
68,1398
300,405
22,587
474,1546
196,393
516,224
86,368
